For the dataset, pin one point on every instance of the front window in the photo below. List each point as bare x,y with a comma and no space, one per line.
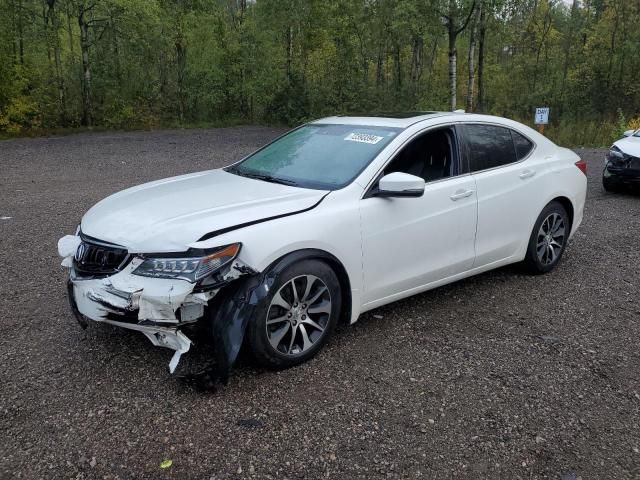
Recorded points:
318,156
431,156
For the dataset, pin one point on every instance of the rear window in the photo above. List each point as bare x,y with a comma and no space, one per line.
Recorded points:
523,144
488,146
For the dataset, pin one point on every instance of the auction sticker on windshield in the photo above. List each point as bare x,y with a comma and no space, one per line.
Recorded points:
363,138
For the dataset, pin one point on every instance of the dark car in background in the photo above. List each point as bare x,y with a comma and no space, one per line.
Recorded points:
622,162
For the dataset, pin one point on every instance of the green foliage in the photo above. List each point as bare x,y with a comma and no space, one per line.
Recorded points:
584,133
622,123
21,113
150,63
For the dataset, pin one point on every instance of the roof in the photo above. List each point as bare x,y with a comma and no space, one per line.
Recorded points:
406,120
397,120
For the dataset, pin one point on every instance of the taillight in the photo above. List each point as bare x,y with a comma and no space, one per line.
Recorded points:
582,165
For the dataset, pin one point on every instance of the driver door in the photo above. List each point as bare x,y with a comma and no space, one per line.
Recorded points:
409,243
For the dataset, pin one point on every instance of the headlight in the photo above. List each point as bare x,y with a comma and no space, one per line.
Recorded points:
615,152
191,269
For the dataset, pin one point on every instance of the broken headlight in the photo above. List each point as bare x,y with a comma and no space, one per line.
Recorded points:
614,153
192,268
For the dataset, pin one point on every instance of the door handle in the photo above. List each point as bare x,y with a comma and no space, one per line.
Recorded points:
527,174
461,194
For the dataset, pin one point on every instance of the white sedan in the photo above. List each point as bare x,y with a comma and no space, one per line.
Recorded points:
337,217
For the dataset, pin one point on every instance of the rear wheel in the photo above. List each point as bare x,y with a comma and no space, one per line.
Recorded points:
295,320
548,239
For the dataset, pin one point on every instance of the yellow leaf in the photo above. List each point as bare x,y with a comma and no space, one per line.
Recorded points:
166,463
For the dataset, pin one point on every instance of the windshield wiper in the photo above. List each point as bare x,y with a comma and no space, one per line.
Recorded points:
265,177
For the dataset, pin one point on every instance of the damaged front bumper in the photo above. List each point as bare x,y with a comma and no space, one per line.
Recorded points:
159,308
623,168
153,306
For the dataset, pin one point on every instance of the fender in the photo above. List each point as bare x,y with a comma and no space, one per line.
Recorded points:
231,310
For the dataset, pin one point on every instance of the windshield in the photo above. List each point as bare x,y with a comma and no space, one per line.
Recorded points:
317,156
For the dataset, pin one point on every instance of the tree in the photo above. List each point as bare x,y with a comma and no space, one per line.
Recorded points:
456,18
127,63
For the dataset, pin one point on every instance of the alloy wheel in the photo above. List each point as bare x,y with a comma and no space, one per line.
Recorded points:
298,315
551,238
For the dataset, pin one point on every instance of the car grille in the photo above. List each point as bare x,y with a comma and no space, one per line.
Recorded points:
98,259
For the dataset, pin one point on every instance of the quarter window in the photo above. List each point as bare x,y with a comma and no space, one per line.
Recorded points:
488,146
523,144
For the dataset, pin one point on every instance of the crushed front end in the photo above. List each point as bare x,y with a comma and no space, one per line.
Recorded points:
159,295
621,167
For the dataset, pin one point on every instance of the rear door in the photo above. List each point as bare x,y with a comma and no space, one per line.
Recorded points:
507,174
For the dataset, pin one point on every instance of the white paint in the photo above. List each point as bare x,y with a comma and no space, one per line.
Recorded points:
629,145
413,241
6,218
167,215
401,182
67,247
542,116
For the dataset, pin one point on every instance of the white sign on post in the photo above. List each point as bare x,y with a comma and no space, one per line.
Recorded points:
542,116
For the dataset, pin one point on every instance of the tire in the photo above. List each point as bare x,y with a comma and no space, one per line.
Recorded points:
548,239
312,318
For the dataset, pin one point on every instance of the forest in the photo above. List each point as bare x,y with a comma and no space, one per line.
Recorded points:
129,64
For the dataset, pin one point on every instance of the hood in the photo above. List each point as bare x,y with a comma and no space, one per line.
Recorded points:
167,215
629,145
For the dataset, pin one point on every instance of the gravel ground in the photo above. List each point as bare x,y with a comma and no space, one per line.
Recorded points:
501,376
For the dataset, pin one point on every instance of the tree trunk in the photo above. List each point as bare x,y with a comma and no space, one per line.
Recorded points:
380,68
481,44
453,67
431,61
54,24
416,62
14,28
181,66
398,69
453,30
567,51
70,32
471,62
290,54
20,34
87,114
48,35
116,48
546,26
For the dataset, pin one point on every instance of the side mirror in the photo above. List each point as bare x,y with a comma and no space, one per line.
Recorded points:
398,184
628,133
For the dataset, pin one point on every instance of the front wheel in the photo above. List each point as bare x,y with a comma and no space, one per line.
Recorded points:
548,239
297,317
